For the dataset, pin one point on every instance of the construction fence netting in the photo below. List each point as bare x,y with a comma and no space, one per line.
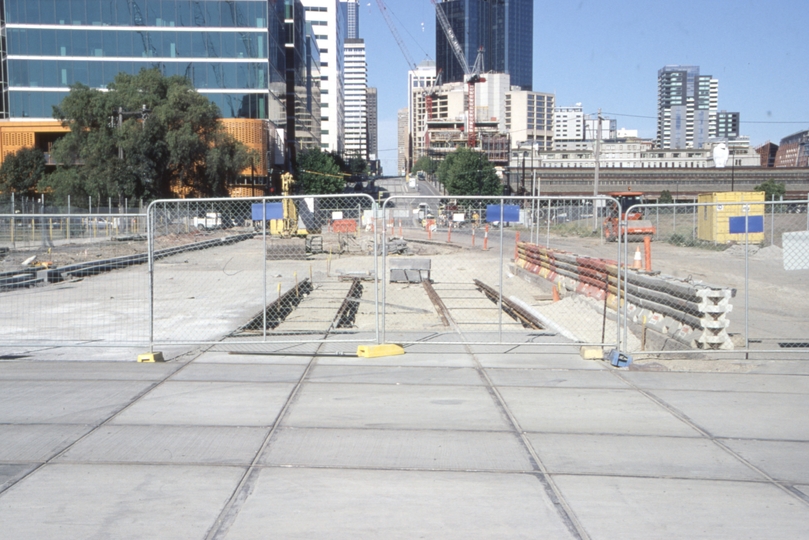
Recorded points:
706,276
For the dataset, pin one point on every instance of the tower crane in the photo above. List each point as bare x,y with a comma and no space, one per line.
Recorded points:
471,76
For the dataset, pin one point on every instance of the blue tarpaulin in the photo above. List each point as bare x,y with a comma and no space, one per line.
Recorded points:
511,213
755,224
274,210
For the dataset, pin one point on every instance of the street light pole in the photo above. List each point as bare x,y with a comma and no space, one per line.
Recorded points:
597,156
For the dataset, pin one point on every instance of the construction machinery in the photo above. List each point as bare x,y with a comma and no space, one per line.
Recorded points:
635,228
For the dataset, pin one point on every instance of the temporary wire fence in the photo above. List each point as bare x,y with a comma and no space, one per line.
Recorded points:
713,277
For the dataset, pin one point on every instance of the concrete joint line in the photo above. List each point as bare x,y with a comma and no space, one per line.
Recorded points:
685,419
551,489
99,426
227,517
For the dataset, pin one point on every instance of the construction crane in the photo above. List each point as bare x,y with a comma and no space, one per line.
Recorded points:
409,59
471,76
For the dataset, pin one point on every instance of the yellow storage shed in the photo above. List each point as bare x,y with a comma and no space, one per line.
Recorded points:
718,221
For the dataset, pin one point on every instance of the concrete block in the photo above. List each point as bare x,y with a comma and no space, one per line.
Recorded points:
592,353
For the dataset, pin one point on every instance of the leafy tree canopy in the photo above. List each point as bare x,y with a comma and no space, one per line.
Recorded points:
357,166
426,164
22,172
665,197
772,190
168,140
467,172
319,173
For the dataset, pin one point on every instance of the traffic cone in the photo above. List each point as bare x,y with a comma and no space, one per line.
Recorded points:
555,293
637,263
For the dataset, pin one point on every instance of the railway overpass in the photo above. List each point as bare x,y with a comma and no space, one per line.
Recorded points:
683,184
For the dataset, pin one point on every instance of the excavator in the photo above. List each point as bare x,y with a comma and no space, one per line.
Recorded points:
636,227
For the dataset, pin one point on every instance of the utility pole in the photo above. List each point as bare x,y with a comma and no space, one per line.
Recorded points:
597,156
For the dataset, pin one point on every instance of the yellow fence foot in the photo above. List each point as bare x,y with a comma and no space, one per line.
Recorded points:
151,357
592,353
374,351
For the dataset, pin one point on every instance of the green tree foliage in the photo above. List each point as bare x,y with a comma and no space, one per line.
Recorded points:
426,164
319,173
22,172
467,172
772,190
178,145
357,166
665,197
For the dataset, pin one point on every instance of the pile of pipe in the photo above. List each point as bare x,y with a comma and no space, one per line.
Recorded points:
692,312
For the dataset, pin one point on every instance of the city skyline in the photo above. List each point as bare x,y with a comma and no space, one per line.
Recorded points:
606,55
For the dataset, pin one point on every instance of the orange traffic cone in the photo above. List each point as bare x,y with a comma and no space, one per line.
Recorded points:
555,293
637,263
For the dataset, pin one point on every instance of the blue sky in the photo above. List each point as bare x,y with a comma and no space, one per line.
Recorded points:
606,53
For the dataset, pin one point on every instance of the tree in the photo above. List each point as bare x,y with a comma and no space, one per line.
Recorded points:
467,172
22,171
426,164
665,197
167,140
318,173
357,166
772,190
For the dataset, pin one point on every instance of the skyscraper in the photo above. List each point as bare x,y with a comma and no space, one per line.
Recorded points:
353,18
686,107
373,148
504,29
356,89
328,21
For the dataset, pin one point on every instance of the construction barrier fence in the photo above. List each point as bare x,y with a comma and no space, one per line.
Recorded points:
713,276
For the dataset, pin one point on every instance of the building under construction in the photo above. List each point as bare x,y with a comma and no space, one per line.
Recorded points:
440,120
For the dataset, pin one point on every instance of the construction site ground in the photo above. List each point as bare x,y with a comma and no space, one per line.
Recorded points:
244,438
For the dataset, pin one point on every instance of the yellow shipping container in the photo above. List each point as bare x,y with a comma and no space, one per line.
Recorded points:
713,222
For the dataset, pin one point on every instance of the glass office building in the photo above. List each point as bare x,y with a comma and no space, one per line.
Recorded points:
233,52
503,28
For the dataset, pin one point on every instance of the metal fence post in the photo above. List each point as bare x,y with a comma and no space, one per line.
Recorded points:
382,332
264,256
150,236
379,337
502,262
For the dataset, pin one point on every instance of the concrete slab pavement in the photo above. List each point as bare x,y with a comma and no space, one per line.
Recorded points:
442,442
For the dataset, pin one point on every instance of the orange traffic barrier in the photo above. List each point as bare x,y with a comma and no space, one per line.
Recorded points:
647,248
486,238
449,233
473,237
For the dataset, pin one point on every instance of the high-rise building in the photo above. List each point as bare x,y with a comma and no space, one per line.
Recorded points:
328,20
529,119
356,99
373,134
352,18
402,146
687,103
419,81
503,29
727,125
240,55
575,130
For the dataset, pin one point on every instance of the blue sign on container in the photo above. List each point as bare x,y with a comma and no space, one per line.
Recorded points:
755,224
511,213
274,210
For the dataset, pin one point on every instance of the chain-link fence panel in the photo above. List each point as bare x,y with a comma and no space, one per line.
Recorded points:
500,269
718,275
73,278
251,270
